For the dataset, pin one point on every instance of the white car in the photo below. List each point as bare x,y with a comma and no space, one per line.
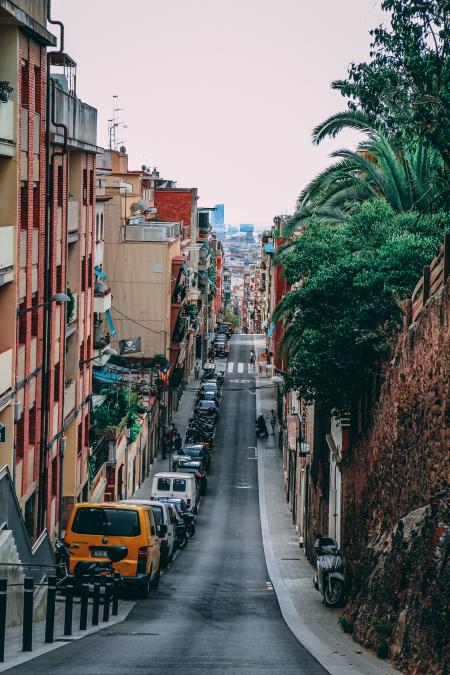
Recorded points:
164,526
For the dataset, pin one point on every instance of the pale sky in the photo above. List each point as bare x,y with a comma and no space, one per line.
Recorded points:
221,95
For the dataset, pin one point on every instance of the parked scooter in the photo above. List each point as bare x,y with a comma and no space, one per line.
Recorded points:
261,426
329,579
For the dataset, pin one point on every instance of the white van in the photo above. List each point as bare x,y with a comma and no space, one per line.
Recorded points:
164,527
181,485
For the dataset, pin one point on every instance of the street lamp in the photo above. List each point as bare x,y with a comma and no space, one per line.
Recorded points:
109,351
59,298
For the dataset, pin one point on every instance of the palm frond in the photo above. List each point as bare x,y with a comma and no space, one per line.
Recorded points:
334,124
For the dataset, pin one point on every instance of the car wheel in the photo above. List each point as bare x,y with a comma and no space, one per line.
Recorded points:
144,588
155,581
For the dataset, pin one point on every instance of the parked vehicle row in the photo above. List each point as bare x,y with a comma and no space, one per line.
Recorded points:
138,538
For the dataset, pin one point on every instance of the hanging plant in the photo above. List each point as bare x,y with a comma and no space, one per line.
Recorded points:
70,306
159,361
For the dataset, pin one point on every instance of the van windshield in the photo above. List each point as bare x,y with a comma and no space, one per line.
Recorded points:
110,522
179,485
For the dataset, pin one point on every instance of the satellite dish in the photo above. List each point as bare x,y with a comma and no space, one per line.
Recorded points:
143,167
140,205
123,149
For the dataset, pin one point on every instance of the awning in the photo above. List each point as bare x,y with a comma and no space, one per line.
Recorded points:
99,273
269,248
110,322
271,329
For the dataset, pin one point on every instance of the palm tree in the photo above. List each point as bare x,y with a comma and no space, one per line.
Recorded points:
406,179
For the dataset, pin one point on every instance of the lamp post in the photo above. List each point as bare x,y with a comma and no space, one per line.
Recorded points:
109,351
58,298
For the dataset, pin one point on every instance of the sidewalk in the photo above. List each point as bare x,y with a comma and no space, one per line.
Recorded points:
14,655
314,624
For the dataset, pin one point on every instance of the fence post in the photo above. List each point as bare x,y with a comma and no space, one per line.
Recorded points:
106,599
50,615
84,601
68,609
27,630
96,600
115,602
426,284
3,591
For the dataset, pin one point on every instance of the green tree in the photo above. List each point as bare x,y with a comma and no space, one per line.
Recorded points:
405,88
345,308
406,180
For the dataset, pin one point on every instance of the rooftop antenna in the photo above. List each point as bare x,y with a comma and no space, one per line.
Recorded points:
114,124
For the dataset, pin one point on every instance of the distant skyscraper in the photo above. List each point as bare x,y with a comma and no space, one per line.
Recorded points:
217,217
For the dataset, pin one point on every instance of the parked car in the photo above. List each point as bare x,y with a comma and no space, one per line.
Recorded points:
172,484
164,527
198,451
209,407
196,468
180,527
208,396
182,511
94,528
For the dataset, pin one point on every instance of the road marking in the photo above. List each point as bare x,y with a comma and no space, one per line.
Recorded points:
240,381
240,367
230,367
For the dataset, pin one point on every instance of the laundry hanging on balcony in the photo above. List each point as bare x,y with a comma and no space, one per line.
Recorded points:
99,273
110,322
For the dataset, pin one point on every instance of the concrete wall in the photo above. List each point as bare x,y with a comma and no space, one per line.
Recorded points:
80,118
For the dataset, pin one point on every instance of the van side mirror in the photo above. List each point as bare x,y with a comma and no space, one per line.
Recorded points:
161,530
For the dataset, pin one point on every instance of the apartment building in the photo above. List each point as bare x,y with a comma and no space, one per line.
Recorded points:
23,41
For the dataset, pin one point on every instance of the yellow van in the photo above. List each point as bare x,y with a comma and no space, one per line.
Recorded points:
93,528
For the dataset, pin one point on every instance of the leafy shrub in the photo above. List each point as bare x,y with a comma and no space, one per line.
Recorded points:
382,649
345,624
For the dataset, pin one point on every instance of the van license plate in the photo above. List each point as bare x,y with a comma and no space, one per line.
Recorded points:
98,553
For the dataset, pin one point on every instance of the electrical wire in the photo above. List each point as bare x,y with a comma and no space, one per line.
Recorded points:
158,332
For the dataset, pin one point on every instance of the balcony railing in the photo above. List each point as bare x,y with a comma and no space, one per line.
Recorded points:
180,329
179,294
154,231
72,221
6,359
98,457
6,253
102,300
7,140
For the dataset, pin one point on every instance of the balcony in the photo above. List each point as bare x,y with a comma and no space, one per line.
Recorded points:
7,140
72,221
180,329
70,397
6,360
102,298
72,316
179,295
98,457
6,254
139,230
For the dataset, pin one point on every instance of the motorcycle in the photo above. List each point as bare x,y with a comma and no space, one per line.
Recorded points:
329,579
261,426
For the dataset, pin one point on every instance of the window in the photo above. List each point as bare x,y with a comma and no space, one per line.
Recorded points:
179,485
164,484
97,227
22,321
91,186
60,185
36,206
90,270
57,382
34,316
32,426
84,186
158,514
20,436
24,84
82,357
59,279
54,476
83,274
102,231
24,205
37,89
80,439
108,522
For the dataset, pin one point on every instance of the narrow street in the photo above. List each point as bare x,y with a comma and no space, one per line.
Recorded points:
215,610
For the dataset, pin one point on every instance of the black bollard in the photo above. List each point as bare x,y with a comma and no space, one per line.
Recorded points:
3,590
84,601
28,595
116,588
68,609
50,616
96,600
106,599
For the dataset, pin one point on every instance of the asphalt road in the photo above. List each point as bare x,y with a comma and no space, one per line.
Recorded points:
215,610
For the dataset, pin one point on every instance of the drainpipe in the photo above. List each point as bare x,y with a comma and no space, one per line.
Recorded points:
47,308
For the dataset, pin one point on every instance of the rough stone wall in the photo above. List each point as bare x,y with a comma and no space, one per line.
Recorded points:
389,479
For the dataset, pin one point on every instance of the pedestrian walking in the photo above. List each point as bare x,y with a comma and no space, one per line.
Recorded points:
273,421
197,370
177,443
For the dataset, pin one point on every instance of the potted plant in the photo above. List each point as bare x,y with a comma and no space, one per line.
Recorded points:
5,91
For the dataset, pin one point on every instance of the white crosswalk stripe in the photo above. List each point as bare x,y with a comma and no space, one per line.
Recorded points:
230,367
240,368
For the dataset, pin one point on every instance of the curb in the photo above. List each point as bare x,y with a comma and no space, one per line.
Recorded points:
24,657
